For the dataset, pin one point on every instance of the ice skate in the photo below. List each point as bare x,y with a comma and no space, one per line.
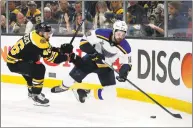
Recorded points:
30,93
80,94
40,100
59,89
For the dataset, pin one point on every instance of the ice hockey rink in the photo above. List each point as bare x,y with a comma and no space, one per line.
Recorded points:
17,110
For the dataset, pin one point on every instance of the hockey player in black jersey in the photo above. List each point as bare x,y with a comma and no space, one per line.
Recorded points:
24,55
100,45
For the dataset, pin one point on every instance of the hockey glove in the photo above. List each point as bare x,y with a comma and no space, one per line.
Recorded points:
55,49
123,72
97,56
76,60
73,57
66,48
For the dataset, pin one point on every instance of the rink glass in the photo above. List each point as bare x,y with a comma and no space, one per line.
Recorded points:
144,18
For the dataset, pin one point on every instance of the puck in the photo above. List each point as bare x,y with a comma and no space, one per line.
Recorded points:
153,117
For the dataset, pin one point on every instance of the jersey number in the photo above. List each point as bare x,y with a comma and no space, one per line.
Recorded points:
17,47
38,19
20,45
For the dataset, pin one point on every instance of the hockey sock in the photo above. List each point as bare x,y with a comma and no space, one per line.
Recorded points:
37,86
64,87
108,92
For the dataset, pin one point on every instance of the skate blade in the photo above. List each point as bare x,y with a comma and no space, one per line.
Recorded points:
58,90
42,105
75,94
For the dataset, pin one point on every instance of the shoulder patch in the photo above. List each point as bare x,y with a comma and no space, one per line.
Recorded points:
43,41
39,41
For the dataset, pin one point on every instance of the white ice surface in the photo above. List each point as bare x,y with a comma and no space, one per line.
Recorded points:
64,110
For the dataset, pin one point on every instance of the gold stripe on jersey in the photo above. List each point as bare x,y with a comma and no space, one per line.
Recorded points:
120,11
8,56
102,37
39,41
83,42
12,60
38,81
102,66
52,57
123,50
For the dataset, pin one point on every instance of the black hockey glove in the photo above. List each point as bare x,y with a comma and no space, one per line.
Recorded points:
97,56
55,49
73,57
123,72
66,48
76,60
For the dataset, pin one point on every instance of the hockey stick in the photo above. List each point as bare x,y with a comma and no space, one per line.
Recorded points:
79,26
174,115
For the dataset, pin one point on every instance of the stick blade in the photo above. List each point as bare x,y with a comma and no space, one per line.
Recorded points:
177,116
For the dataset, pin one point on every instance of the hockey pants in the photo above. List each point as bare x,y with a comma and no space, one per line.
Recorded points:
32,73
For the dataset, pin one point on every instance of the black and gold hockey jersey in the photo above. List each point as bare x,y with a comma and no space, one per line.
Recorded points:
12,17
34,18
31,47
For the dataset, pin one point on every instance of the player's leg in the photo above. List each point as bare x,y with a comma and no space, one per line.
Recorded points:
89,67
81,69
37,81
28,79
16,68
29,84
107,80
77,74
36,72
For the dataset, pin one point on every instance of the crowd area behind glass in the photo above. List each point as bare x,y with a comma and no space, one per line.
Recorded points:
151,19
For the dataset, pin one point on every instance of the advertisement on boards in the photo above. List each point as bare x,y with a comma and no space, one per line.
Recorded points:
159,66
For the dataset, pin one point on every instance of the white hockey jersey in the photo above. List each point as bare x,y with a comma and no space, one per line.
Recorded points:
101,40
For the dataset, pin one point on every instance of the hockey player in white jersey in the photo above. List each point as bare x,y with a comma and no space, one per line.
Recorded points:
99,45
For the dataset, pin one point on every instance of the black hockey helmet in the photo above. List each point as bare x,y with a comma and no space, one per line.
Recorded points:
43,27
